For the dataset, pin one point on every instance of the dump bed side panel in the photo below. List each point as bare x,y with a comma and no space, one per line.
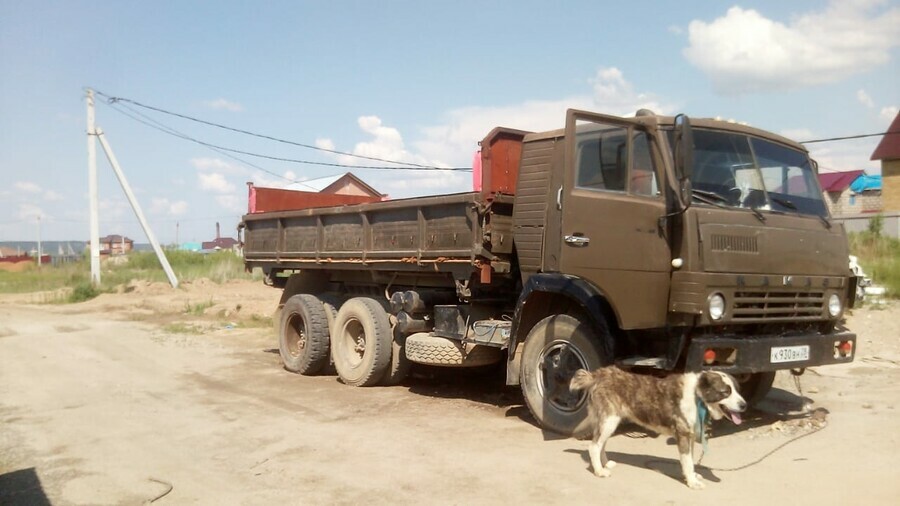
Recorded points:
411,231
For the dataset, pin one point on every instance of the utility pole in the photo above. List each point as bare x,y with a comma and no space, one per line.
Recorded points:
92,185
137,209
95,133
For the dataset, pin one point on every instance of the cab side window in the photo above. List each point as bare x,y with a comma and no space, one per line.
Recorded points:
602,158
603,161
643,177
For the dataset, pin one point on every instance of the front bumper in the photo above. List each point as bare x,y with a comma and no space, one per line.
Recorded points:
753,354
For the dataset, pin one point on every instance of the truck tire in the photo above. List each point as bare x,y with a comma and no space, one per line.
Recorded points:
756,387
554,349
332,304
303,335
361,342
432,350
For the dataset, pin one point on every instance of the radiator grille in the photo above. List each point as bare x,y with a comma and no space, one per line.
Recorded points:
770,305
736,243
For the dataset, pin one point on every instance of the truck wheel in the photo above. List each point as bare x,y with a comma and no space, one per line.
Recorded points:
332,303
555,348
756,386
361,342
303,335
432,350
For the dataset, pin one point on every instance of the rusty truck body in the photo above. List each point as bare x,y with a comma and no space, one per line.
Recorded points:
657,243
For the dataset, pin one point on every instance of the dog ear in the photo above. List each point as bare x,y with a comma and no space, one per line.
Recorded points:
712,388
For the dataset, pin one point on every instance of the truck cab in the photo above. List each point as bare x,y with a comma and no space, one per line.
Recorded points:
675,245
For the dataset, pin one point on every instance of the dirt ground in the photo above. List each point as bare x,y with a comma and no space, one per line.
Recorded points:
123,398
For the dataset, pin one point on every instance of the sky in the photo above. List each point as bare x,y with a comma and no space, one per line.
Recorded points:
418,82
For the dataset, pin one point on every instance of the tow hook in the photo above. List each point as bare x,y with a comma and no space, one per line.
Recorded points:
798,372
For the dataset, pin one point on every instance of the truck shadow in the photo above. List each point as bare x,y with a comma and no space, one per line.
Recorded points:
483,385
22,487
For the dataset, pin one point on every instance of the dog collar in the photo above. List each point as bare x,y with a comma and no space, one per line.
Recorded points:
702,421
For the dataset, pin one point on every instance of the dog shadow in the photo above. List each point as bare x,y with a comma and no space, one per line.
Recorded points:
779,406
666,466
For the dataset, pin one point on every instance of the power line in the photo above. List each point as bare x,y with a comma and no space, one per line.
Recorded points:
175,133
171,131
404,165
849,137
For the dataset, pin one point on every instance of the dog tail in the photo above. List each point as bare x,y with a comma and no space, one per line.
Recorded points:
581,380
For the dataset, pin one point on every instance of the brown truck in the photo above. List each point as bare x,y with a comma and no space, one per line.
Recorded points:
657,243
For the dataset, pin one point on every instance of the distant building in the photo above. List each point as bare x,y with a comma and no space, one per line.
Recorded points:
341,190
888,152
850,192
220,243
114,245
342,184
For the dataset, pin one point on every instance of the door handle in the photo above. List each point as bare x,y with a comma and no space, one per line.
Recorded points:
577,240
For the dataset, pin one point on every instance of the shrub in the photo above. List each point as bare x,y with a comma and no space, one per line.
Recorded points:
82,292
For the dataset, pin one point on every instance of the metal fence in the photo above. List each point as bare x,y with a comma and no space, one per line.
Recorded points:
860,223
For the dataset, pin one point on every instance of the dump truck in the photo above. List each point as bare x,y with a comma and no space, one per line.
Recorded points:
660,244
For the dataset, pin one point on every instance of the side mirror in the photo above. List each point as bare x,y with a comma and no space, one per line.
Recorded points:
684,148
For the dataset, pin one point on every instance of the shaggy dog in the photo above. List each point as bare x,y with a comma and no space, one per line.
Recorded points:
674,405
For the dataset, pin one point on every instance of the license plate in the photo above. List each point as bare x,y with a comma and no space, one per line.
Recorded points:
782,354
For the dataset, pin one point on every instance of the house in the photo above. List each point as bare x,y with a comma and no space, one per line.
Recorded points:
888,152
114,245
220,243
342,184
850,192
341,190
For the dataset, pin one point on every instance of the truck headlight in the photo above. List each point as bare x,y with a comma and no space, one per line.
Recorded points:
834,305
716,306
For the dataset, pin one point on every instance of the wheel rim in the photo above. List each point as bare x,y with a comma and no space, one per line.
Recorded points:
556,365
295,335
354,340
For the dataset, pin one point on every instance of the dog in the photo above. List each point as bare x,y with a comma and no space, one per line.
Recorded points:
673,405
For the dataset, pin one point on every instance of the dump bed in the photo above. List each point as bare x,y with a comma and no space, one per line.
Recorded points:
406,234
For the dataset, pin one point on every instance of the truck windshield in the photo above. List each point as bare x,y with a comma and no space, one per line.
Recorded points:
736,170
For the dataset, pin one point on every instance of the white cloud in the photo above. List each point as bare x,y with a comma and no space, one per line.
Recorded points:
27,187
743,51
232,203
29,212
865,99
221,104
889,113
162,205
214,182
325,144
386,144
453,142
260,178
798,134
457,138
844,156
52,196
217,164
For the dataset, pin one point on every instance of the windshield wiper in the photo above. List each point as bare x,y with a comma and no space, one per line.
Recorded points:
790,205
758,214
783,202
709,197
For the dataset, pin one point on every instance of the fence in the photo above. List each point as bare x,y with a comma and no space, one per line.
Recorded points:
860,223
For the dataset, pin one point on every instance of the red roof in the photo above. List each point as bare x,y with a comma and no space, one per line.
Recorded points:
838,181
889,147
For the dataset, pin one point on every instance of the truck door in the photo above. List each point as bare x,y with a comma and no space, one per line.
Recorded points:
611,201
